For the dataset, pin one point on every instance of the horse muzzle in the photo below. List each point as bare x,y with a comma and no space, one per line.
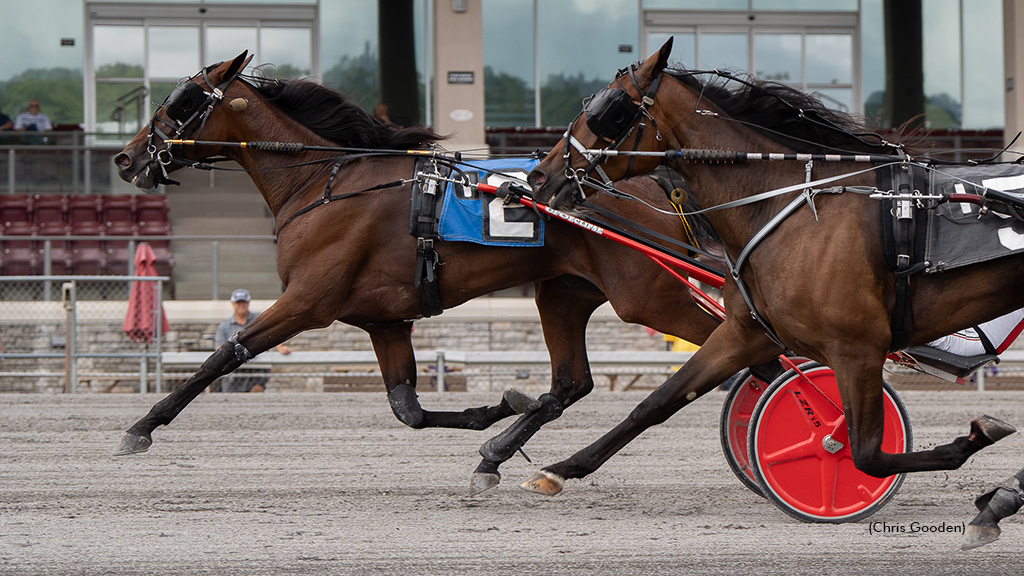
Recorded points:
139,171
555,190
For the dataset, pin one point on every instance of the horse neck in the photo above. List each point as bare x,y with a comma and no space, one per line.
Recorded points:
283,179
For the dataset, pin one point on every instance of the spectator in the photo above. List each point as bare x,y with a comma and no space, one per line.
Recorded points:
242,380
5,121
33,120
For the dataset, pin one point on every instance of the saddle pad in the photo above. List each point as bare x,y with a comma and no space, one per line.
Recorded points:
958,233
469,216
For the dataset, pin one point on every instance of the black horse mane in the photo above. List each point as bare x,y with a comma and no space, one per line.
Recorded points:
333,116
785,114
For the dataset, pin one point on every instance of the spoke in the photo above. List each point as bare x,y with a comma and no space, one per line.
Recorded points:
809,448
829,473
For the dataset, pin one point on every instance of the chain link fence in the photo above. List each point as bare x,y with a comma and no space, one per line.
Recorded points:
67,333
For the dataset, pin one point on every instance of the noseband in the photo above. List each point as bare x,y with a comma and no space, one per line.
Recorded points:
612,115
186,104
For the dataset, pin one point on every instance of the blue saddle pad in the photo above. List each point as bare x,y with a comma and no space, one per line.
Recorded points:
469,216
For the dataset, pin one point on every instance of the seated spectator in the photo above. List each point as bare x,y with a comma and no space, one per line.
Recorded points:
33,120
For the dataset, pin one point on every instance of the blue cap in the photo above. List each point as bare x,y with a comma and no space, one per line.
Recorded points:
240,295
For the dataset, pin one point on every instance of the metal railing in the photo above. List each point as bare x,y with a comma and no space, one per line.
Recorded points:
73,162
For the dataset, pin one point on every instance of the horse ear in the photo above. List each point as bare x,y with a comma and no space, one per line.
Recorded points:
662,56
238,64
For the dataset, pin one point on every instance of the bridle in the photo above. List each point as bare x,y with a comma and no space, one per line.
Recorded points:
188,103
612,115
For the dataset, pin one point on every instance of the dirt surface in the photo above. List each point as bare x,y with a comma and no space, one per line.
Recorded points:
332,484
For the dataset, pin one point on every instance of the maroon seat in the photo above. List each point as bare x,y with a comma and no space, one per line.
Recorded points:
152,208
19,250
49,209
85,208
118,208
88,256
15,208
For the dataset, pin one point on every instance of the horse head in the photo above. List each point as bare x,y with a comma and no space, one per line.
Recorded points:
618,117
148,158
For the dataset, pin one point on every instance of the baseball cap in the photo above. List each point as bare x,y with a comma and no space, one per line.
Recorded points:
240,295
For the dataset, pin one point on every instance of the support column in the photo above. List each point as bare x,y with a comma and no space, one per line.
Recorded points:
459,73
1013,69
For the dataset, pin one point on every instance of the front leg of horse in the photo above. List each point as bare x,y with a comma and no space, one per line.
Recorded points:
139,437
709,366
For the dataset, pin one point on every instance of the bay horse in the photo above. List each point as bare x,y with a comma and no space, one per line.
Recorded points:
815,280
353,259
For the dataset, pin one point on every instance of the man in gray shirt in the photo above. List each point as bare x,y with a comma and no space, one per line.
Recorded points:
243,379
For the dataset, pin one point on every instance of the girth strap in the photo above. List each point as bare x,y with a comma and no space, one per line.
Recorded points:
424,208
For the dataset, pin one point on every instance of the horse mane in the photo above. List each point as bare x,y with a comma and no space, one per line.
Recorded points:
784,114
331,115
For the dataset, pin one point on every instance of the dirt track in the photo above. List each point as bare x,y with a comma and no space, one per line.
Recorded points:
333,484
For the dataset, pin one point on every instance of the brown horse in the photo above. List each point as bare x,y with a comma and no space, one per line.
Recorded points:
353,260
816,282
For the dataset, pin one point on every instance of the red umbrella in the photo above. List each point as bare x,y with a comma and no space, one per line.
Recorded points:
138,322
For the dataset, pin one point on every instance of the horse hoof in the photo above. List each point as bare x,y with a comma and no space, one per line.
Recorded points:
520,402
481,482
544,483
992,428
132,444
979,536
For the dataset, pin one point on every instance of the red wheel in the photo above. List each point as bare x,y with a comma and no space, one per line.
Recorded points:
799,449
746,390
739,404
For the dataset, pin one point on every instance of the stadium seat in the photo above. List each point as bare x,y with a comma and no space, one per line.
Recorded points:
152,208
49,209
118,208
15,208
85,208
19,256
88,256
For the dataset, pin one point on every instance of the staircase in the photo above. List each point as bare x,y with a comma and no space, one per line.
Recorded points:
221,204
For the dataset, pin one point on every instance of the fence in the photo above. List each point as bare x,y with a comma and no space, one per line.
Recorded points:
57,343
62,161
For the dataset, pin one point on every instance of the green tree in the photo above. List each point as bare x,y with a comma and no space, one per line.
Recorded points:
59,91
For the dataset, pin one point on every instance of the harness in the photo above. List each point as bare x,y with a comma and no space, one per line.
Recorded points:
188,102
612,115
424,209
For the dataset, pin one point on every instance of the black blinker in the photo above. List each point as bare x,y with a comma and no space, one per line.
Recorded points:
609,113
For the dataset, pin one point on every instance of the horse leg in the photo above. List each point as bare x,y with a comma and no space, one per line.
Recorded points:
565,304
392,343
721,356
993,506
269,329
859,378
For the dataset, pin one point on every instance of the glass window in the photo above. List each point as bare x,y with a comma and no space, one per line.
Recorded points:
778,57
812,5
723,50
349,59
829,58
696,4
173,51
941,27
983,78
508,63
684,47
288,49
118,51
872,58
43,48
836,98
581,46
223,43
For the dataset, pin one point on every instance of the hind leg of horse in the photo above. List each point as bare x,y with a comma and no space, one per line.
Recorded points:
566,304
1002,502
270,328
392,344
859,379
727,351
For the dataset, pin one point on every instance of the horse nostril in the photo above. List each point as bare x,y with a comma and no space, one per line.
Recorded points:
123,160
536,178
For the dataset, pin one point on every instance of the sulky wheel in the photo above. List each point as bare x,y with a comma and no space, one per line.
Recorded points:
799,449
739,404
